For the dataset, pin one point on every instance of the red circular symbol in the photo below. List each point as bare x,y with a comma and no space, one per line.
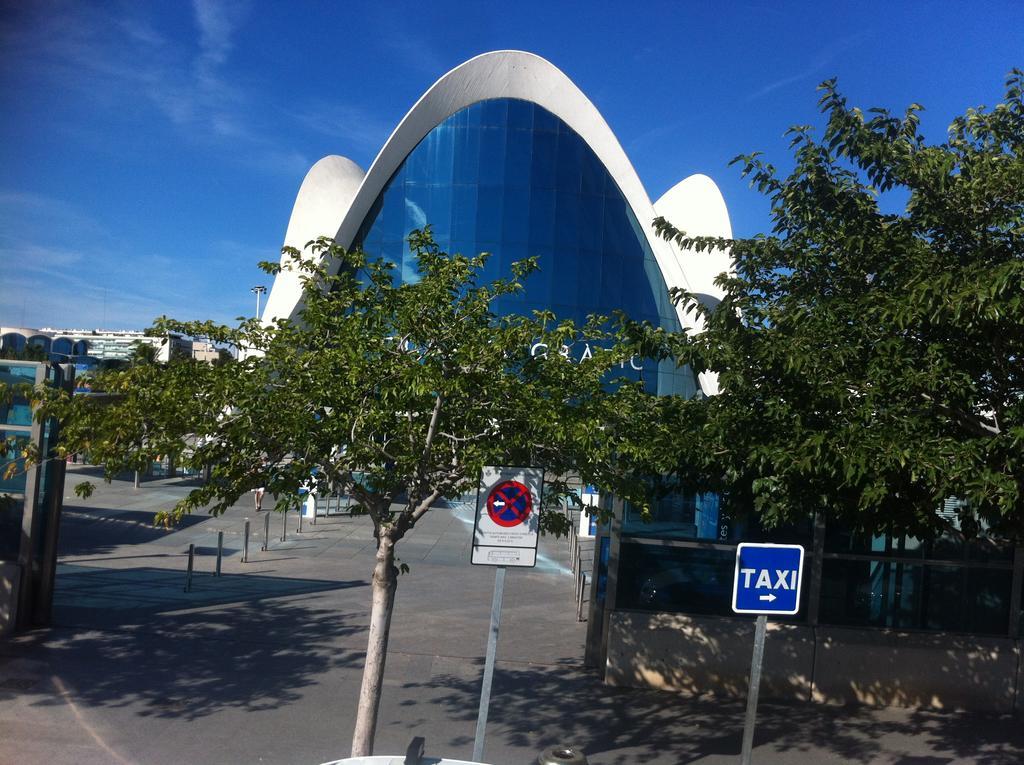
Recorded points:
509,503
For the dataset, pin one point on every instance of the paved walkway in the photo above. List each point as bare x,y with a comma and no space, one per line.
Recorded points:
262,664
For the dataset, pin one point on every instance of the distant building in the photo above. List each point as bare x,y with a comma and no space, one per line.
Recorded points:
87,347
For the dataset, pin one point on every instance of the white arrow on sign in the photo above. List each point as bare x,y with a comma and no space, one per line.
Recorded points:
498,503
769,597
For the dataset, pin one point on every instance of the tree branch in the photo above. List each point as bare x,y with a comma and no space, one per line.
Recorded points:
435,416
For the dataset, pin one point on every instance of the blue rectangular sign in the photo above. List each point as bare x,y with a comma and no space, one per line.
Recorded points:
767,579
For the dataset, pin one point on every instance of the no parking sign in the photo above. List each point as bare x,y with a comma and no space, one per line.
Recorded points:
507,525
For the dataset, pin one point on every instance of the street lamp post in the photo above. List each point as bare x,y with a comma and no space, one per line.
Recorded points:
259,290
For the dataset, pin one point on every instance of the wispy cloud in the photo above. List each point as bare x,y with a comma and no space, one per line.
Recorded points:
33,257
352,125
186,81
409,47
60,267
24,212
816,67
217,23
659,132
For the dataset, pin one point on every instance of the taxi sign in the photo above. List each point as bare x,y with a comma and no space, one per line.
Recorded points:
507,526
767,579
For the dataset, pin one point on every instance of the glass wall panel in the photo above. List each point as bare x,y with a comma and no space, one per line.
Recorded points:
507,177
679,580
12,443
951,546
12,508
674,579
16,411
884,593
40,342
706,517
12,342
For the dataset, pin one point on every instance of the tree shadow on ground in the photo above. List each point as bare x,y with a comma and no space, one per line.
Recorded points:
100,530
533,707
248,652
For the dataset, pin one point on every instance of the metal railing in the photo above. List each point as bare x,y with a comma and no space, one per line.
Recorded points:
576,554
333,504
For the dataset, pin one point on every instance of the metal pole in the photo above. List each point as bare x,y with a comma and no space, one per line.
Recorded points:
492,650
259,290
220,550
284,525
302,512
266,531
752,691
188,571
245,542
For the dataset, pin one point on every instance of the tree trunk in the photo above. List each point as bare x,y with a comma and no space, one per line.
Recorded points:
384,583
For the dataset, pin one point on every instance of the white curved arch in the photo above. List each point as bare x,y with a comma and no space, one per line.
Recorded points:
324,197
509,74
695,205
502,74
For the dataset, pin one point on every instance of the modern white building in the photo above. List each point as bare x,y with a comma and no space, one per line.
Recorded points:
505,154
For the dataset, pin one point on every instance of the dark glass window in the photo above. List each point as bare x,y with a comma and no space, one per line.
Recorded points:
884,593
690,580
12,342
12,508
62,346
709,517
506,176
42,342
951,546
673,579
12,444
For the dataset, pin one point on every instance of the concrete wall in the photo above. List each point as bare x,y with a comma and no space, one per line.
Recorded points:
698,654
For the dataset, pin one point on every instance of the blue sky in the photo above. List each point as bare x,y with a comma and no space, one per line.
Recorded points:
150,152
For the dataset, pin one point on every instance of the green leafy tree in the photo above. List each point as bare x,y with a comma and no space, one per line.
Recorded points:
143,353
397,394
871,348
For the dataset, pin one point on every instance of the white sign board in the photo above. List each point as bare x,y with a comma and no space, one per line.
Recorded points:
588,523
507,526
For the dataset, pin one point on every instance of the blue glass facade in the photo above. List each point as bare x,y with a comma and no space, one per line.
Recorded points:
507,177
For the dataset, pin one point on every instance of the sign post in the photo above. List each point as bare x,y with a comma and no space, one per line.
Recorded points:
767,580
505,533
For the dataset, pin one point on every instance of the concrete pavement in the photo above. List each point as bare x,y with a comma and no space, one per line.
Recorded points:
263,663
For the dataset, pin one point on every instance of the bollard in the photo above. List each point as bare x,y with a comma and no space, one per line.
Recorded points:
220,550
562,755
245,542
266,531
188,571
579,598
